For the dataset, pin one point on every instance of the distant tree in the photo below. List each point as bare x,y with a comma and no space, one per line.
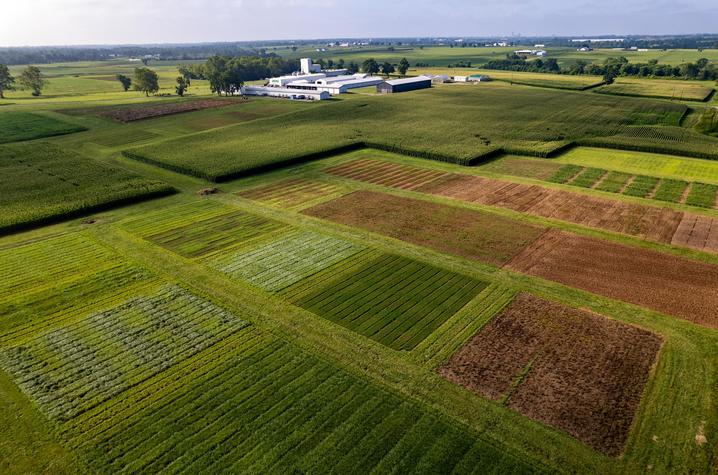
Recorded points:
7,82
227,75
403,66
186,73
31,78
387,68
182,85
125,81
609,77
340,64
145,61
330,63
146,81
390,48
370,66
294,48
352,68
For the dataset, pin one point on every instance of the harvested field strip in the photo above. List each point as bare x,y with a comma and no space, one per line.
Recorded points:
203,237
291,192
262,406
673,285
698,232
278,264
116,137
132,113
174,217
526,167
472,234
36,310
72,369
393,300
394,175
573,370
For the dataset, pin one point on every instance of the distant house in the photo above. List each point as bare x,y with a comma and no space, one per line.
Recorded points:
440,78
461,78
404,85
585,49
479,78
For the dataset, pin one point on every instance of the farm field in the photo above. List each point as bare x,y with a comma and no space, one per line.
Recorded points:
558,81
442,281
43,183
678,90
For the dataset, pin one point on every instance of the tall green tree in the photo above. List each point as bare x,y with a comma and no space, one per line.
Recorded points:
182,85
125,81
31,78
403,66
387,68
370,66
7,82
146,81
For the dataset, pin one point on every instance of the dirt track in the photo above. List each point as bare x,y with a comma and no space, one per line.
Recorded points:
467,233
680,287
573,370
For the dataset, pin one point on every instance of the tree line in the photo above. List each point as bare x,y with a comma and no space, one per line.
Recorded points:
702,69
30,79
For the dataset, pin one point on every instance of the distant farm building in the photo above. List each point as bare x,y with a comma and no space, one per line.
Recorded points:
404,85
440,78
286,93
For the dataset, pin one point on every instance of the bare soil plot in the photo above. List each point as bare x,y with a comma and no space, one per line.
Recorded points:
698,232
290,192
394,175
129,114
677,286
648,222
472,234
573,370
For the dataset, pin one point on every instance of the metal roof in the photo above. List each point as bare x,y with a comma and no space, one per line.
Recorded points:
395,82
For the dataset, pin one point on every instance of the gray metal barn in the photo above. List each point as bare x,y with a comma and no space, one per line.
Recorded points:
403,85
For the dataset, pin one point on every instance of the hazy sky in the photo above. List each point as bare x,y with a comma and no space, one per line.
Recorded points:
44,22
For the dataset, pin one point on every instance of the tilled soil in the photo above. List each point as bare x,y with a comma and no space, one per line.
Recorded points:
698,232
573,370
145,112
472,234
670,284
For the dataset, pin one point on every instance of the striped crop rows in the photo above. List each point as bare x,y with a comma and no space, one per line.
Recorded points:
87,362
291,192
270,408
283,262
393,300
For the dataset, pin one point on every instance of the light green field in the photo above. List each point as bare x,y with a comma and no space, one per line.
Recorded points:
673,89
527,78
643,163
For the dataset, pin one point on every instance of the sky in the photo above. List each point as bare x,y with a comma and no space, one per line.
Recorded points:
76,22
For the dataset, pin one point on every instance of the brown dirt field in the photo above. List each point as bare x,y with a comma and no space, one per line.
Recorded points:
697,231
472,234
573,370
677,286
130,114
647,222
290,192
394,175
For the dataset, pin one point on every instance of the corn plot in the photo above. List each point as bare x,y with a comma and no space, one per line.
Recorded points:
394,300
203,237
281,263
72,369
259,405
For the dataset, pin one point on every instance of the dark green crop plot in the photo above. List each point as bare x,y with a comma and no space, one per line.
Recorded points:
565,173
703,195
18,126
202,237
263,406
671,190
459,125
588,177
614,182
393,300
41,183
641,186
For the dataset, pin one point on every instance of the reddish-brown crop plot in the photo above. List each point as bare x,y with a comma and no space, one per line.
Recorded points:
129,114
473,234
395,175
648,222
290,192
698,232
677,286
573,370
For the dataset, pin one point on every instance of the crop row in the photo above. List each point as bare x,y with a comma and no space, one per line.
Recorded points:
393,300
661,140
674,191
199,238
291,192
283,262
87,362
270,408
17,126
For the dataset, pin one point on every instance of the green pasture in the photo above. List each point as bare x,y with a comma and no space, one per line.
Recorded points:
668,89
